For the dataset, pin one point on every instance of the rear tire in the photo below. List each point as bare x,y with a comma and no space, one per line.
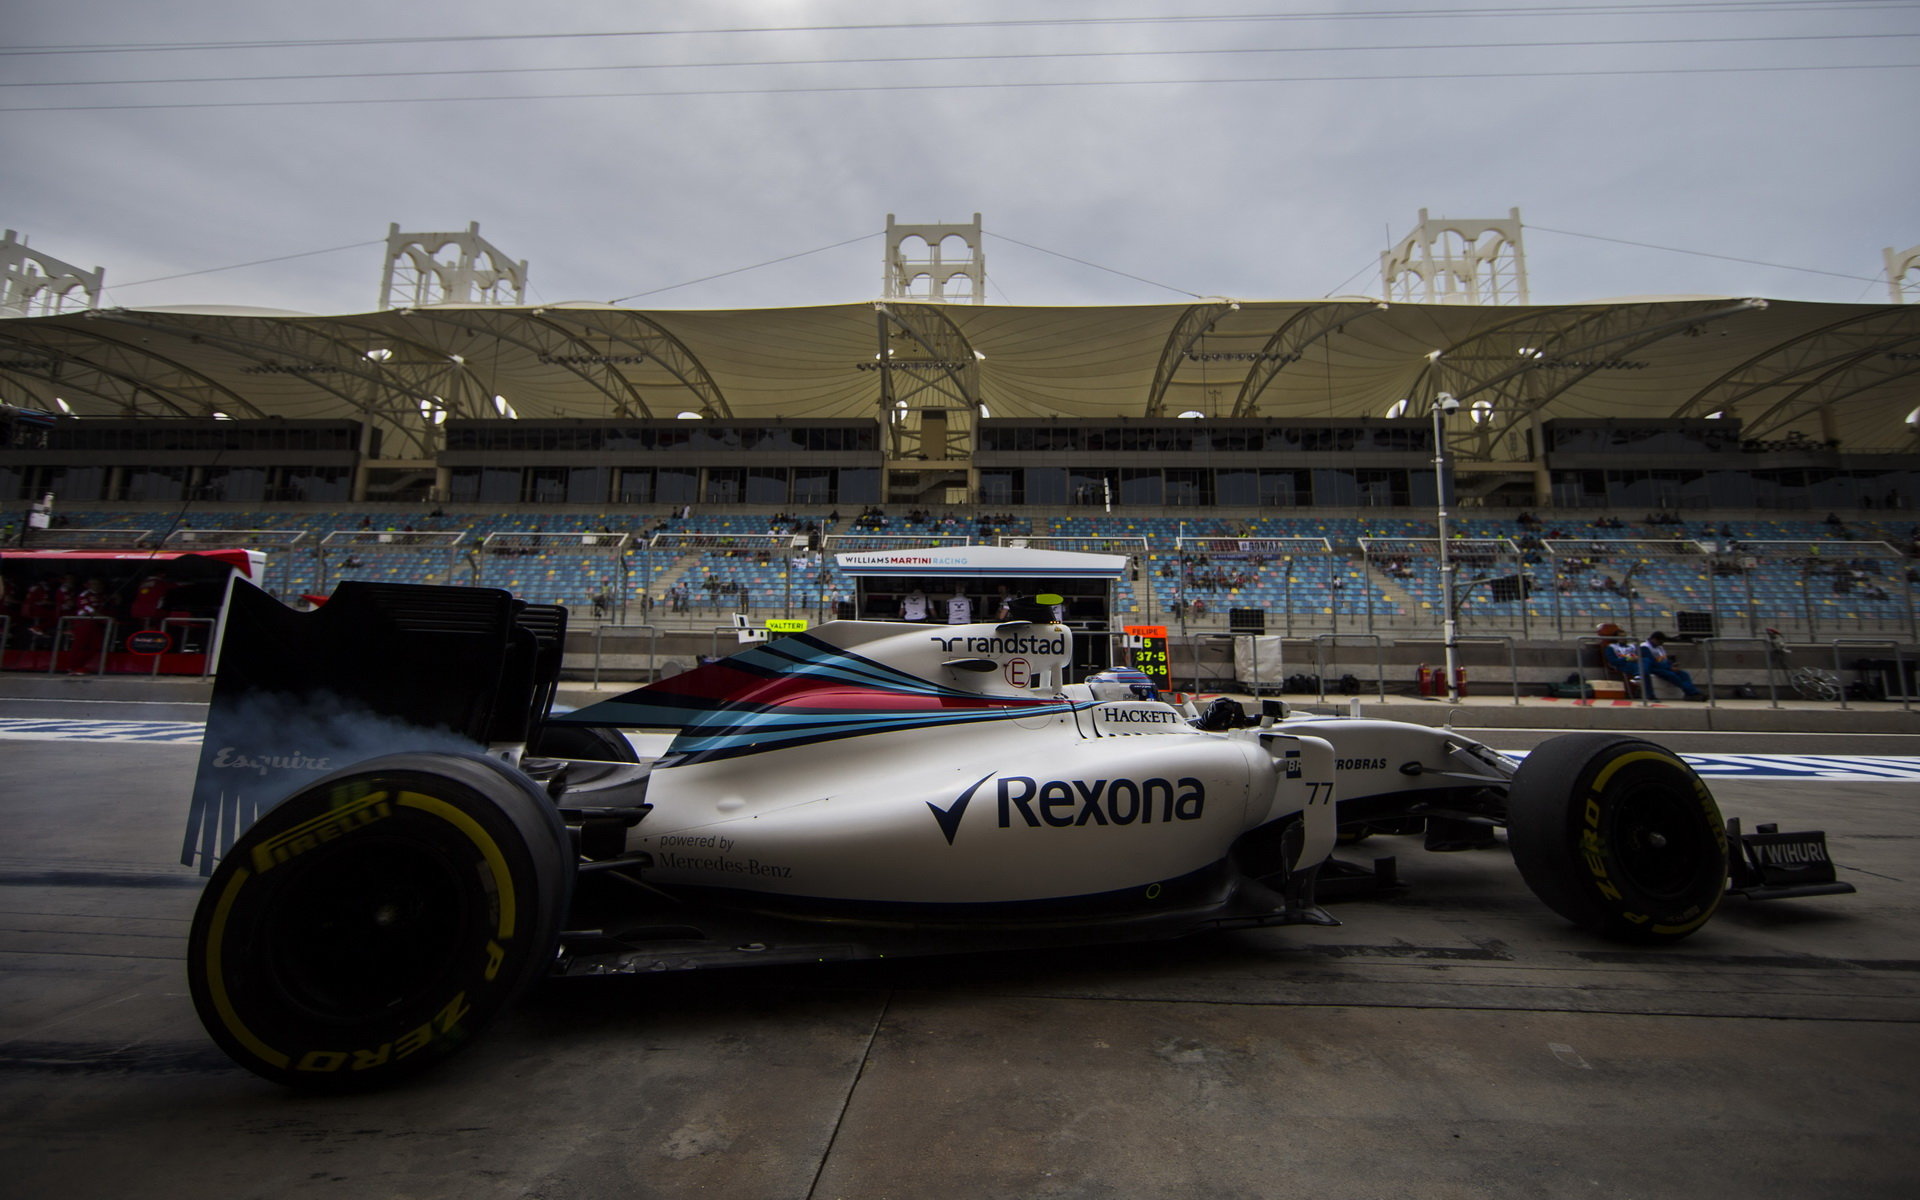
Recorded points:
1618,836
376,921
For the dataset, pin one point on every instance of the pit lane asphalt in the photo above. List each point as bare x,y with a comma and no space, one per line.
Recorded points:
1453,1039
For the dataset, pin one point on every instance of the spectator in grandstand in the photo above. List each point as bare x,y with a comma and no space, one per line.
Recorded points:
1656,662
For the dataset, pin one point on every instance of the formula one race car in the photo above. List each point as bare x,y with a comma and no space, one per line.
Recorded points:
402,834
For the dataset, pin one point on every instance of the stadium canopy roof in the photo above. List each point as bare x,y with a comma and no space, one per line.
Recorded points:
1827,371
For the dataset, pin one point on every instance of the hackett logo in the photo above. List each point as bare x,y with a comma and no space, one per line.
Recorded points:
1029,803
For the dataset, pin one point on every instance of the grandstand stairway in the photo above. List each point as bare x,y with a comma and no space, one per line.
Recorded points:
1390,590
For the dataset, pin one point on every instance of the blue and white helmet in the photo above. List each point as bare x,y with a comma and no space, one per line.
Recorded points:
1122,683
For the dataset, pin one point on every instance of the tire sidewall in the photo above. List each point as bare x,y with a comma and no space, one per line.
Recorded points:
492,872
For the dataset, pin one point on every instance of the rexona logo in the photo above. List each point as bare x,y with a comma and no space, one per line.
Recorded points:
1030,803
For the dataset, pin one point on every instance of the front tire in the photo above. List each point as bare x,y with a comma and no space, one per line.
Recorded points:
376,921
1618,836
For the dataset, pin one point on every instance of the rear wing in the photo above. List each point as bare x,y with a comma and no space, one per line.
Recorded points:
379,667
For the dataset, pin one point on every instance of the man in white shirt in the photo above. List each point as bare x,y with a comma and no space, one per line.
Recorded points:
913,605
959,608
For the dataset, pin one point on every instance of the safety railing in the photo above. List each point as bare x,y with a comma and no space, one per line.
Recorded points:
1321,641
652,634
66,632
1899,666
1710,644
206,649
1513,661
1588,650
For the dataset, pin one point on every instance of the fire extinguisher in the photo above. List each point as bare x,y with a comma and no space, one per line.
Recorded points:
1460,681
1424,680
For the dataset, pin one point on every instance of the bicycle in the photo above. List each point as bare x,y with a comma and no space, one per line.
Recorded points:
1809,683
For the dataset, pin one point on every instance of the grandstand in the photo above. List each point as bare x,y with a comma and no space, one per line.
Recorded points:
726,475
1353,572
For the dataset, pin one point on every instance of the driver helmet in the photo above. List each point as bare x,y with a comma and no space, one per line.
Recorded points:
1122,683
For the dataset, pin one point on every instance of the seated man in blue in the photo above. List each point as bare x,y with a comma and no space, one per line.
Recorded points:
1623,656
1655,661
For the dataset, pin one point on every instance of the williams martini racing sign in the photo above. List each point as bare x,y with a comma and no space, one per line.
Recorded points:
1012,562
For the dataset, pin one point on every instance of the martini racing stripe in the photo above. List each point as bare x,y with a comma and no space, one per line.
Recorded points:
793,692
777,730
43,729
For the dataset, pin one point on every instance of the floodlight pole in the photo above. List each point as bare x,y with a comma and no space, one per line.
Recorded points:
1443,404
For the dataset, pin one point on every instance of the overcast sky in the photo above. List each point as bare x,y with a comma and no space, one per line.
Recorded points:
1739,147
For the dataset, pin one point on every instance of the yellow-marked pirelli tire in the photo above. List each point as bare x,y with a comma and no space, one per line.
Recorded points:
1618,836
376,921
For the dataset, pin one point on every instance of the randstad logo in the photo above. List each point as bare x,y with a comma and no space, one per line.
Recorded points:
1029,803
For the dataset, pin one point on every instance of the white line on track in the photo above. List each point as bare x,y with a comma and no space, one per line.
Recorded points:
54,729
